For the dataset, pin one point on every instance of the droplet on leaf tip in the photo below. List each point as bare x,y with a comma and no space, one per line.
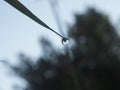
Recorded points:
65,41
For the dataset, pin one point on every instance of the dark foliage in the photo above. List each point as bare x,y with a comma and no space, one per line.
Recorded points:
91,63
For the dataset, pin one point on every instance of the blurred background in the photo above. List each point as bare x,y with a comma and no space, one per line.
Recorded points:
34,58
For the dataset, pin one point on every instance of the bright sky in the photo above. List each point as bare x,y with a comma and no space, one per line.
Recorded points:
18,33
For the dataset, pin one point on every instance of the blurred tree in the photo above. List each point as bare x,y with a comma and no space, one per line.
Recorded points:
95,63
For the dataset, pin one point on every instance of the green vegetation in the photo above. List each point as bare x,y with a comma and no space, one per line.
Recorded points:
91,63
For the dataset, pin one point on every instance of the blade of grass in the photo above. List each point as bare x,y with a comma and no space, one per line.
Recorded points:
19,6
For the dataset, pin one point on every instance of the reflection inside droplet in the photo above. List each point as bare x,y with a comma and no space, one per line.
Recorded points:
65,41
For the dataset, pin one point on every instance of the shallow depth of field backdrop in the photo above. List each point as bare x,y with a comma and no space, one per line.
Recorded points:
19,33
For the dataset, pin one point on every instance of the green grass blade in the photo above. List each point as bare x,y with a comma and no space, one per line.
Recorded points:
19,6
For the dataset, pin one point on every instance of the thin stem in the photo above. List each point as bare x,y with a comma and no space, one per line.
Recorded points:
19,6
56,33
70,67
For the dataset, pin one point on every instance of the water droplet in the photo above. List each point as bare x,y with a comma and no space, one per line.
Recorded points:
65,41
